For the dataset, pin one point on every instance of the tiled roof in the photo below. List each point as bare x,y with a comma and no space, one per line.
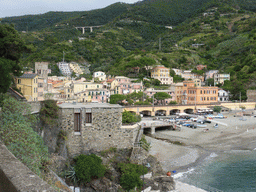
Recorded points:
110,80
28,76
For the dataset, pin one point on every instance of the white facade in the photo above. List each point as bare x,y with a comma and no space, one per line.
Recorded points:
223,96
100,75
64,68
220,78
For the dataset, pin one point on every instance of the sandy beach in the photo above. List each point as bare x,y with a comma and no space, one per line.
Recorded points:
196,144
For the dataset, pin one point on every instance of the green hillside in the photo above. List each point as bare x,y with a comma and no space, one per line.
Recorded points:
135,35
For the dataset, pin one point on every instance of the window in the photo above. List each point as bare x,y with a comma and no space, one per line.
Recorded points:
88,117
19,81
77,122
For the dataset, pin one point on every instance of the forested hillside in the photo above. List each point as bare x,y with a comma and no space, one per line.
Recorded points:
136,35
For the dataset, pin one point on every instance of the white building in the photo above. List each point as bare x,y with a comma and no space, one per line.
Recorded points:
64,68
220,78
100,75
223,96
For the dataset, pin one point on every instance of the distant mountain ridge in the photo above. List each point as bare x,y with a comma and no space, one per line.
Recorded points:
159,12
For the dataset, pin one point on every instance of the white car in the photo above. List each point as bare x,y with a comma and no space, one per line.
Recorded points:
194,119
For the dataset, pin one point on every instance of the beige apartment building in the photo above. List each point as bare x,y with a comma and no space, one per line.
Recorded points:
162,74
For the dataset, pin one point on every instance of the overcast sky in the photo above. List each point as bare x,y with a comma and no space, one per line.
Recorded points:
26,7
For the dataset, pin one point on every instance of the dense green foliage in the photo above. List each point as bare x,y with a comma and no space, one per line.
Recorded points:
129,117
117,98
135,36
130,177
217,109
88,167
144,143
17,134
161,96
49,112
11,48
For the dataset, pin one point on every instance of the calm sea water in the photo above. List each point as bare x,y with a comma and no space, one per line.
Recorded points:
233,171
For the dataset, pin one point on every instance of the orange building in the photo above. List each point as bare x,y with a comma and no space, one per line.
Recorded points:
198,95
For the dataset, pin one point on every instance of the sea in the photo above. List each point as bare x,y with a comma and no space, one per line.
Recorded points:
232,171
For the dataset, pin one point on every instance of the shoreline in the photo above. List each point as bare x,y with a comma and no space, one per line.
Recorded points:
198,145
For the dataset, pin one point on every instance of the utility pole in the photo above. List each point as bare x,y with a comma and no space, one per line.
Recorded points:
159,43
63,56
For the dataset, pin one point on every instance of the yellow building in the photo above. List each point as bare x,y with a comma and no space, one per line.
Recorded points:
28,85
162,74
82,86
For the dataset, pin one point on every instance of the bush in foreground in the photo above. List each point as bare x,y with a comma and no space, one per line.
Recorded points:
88,167
130,177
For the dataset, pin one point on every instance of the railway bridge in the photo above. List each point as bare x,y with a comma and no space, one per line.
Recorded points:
167,110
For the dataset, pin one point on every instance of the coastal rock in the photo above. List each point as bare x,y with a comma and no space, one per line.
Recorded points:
155,166
164,183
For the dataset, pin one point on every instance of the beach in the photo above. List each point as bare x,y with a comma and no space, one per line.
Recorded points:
192,146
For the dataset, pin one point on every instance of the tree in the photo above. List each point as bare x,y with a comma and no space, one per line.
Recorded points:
161,96
210,82
11,48
117,98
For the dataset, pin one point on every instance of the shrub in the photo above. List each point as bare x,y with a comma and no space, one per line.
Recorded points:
17,134
131,173
144,144
217,109
88,167
173,102
49,112
129,117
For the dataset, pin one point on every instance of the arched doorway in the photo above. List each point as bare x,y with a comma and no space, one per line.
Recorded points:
160,113
174,111
146,113
189,111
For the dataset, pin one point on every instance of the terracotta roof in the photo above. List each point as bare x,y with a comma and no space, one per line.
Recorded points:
110,80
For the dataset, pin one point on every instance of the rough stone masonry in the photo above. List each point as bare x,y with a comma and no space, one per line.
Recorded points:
95,126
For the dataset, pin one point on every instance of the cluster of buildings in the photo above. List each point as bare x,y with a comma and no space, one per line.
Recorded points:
67,69
193,90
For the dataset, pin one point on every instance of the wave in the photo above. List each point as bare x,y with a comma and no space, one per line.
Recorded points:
179,175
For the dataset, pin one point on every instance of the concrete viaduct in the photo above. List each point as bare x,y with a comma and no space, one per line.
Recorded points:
172,109
88,27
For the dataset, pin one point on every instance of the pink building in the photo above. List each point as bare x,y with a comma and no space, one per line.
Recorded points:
151,91
122,79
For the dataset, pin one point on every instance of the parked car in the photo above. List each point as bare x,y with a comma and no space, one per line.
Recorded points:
207,121
193,126
194,119
200,121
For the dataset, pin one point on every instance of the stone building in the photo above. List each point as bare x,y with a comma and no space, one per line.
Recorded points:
94,126
251,95
41,69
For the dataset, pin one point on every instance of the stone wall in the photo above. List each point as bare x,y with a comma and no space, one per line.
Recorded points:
104,132
15,176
